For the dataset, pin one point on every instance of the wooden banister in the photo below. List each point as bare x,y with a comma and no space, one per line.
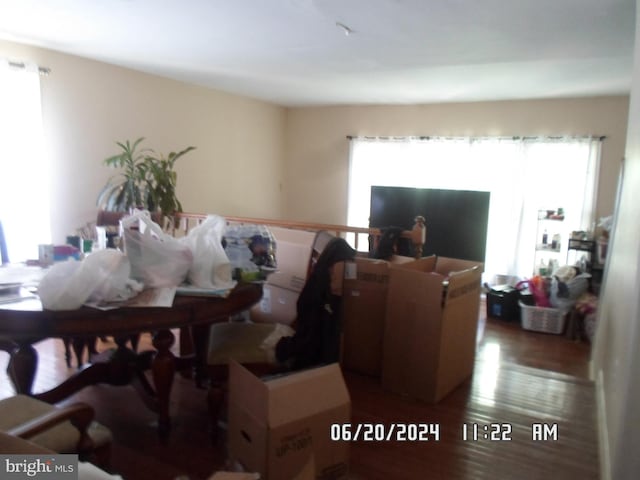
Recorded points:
183,222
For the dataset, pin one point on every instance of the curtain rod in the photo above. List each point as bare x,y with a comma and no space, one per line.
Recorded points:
548,137
16,64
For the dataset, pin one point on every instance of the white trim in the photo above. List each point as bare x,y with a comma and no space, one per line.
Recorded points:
603,431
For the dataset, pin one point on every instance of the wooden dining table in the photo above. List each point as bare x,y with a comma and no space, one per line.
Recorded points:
25,323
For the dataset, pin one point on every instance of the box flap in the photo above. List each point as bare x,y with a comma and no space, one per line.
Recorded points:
305,393
293,256
463,282
247,391
247,429
401,259
446,265
424,264
459,328
408,335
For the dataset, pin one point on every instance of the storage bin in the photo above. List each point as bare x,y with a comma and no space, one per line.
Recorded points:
502,302
539,319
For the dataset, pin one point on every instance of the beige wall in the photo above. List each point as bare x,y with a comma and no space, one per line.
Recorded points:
236,169
258,159
616,353
317,150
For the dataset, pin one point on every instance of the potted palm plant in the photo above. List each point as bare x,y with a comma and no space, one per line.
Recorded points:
147,180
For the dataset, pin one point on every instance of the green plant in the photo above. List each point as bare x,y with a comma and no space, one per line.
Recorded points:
147,180
162,179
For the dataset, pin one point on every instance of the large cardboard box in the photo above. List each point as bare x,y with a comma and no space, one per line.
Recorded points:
296,252
363,312
364,305
293,256
282,288
276,427
277,305
430,326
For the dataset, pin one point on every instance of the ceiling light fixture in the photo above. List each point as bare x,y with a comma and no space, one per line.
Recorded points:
347,30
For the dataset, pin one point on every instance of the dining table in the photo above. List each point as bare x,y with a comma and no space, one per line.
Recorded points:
25,322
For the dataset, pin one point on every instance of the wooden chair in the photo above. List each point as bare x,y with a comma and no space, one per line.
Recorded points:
315,342
60,429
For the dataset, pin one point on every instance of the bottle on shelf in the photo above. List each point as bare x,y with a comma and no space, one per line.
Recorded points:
542,269
545,238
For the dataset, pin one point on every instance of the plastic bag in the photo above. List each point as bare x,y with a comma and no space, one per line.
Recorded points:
157,259
65,286
564,294
111,270
211,267
102,276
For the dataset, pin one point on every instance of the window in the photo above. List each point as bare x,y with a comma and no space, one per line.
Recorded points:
523,175
24,195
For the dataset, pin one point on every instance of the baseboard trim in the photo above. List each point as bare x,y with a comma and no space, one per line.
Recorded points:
603,432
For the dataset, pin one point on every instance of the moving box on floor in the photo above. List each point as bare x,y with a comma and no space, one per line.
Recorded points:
431,326
276,427
364,305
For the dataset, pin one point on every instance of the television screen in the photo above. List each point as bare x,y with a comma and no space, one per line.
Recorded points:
456,219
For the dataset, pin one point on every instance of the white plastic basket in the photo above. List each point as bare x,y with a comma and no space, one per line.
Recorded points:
539,319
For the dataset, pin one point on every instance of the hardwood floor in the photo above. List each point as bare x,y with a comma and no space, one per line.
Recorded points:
520,378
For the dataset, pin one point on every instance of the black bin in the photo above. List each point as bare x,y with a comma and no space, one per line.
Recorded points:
502,302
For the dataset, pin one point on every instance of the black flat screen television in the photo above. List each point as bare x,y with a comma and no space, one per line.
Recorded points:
456,219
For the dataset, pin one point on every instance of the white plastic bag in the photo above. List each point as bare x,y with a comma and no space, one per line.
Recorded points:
157,259
65,286
111,270
211,267
101,277
564,292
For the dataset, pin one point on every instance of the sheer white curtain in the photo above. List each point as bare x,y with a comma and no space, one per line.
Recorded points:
24,195
522,175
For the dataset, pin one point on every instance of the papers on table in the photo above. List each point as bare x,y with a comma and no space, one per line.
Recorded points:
15,295
151,297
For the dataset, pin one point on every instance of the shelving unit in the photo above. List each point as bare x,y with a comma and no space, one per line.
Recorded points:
592,266
549,246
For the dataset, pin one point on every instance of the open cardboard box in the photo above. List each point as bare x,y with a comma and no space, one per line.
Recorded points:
293,256
278,426
364,306
282,288
296,251
431,326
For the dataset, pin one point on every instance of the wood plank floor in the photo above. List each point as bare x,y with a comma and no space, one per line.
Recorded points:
520,378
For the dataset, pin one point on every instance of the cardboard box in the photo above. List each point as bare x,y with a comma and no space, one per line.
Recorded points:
430,326
278,305
276,427
293,256
294,252
364,305
363,314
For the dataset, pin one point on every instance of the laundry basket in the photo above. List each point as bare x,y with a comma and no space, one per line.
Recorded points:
539,319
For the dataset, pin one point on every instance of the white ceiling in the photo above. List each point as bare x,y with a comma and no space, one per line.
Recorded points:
293,52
